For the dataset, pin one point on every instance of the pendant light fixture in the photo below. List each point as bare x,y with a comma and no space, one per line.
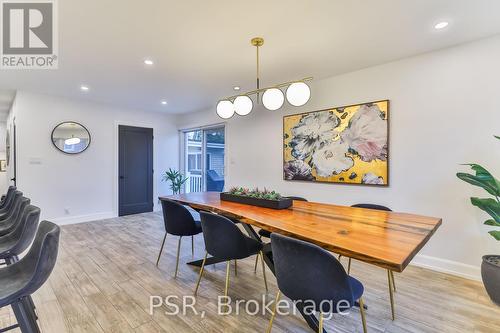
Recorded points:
273,98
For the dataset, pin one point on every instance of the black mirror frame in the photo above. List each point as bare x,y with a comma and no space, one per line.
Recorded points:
74,122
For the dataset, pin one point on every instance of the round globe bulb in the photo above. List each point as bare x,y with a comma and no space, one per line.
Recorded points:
273,99
243,105
298,93
225,109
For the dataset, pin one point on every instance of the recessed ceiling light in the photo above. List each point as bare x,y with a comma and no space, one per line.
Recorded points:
441,25
84,88
164,102
148,62
236,88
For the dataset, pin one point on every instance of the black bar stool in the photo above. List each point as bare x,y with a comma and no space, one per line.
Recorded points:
21,279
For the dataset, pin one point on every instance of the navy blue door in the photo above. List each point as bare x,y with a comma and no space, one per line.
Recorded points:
135,170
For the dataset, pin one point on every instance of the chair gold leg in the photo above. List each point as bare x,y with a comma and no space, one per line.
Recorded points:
362,311
320,327
178,252
270,327
391,294
161,249
192,246
349,266
393,282
201,273
235,267
228,266
263,269
256,262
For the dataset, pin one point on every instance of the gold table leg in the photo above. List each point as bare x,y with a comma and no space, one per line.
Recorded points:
391,293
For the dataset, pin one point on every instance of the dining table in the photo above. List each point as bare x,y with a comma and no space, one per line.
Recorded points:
386,239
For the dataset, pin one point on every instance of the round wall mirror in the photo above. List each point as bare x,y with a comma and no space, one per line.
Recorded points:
70,137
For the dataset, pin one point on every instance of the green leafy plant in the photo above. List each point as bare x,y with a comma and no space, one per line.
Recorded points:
484,179
255,193
176,180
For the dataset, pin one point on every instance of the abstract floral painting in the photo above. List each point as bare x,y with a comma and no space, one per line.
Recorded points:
339,145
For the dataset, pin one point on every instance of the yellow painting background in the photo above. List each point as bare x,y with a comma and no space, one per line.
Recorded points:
360,167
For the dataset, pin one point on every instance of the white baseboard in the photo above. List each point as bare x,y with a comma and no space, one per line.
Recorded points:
83,218
447,266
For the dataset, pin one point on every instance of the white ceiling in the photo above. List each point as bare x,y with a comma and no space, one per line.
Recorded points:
201,48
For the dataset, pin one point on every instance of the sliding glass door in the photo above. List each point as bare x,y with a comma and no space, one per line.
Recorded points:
204,151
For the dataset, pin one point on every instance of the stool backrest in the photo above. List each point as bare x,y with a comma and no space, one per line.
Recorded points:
24,231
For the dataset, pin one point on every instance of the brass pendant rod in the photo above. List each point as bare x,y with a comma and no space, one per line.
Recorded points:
258,78
257,91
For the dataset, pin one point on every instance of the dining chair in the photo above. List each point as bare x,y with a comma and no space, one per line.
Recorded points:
267,234
7,196
10,222
21,279
178,222
390,274
305,272
225,241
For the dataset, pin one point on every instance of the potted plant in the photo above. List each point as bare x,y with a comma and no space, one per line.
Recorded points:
265,198
176,180
490,267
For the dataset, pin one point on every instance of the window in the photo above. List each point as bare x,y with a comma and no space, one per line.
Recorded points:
204,153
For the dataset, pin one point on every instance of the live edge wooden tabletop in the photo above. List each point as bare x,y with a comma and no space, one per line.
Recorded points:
385,239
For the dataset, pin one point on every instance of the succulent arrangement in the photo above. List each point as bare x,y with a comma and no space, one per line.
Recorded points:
255,193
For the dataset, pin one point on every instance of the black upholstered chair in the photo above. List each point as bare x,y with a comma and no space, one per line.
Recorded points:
14,217
267,234
6,196
390,274
20,238
306,272
21,279
7,210
178,222
224,240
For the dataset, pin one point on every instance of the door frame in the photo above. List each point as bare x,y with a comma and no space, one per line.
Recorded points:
182,147
116,162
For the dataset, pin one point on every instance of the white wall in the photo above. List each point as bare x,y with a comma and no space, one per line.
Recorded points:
83,187
445,108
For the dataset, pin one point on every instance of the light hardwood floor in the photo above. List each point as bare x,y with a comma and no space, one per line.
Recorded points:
106,274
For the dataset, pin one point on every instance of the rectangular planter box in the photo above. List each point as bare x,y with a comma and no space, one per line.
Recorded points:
283,203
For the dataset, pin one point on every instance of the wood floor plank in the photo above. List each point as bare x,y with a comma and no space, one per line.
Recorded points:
106,274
